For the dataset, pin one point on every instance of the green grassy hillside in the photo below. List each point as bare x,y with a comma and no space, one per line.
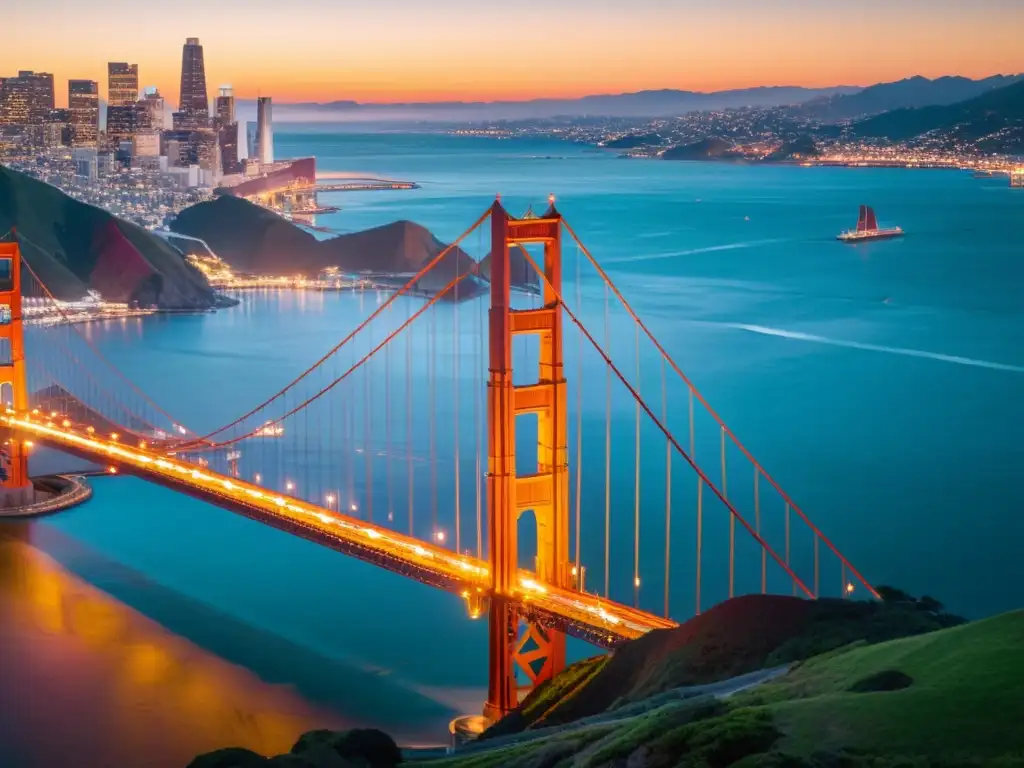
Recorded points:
958,693
953,697
733,638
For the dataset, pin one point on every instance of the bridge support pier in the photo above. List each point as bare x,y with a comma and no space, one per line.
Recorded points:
516,640
15,485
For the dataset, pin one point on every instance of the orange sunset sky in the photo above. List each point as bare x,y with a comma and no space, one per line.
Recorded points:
430,50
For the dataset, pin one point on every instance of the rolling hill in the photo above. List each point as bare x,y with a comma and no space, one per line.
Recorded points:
911,93
713,148
74,247
995,111
736,637
951,697
254,240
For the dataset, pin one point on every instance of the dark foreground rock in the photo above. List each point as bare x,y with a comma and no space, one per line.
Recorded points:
356,748
231,757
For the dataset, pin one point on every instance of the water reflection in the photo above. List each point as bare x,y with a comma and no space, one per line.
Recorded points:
87,680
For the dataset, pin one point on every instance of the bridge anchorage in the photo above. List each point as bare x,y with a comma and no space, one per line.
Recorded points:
290,461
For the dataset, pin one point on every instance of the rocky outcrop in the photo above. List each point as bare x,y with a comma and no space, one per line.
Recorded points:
706,149
356,748
800,148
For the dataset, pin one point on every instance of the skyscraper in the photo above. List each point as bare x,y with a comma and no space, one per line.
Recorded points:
26,99
207,150
151,111
122,84
227,129
122,122
84,105
264,131
194,105
225,107
57,128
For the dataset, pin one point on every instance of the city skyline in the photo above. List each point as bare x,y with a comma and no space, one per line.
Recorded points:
584,48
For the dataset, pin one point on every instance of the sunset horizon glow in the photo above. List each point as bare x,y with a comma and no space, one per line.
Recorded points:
398,52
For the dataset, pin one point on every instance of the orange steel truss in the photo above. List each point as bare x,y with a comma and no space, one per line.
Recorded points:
516,639
13,389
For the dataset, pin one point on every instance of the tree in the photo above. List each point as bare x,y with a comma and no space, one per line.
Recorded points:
930,604
893,595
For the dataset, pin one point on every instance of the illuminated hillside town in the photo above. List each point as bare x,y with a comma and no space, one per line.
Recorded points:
92,307
221,276
772,134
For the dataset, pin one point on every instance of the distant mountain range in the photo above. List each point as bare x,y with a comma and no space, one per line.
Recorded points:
660,103
999,111
835,104
914,92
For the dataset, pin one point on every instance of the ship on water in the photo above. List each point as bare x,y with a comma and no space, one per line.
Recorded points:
868,229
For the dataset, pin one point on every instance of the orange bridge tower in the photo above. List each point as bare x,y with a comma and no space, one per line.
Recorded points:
16,487
515,637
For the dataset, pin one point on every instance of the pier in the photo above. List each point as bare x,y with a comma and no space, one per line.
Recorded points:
364,185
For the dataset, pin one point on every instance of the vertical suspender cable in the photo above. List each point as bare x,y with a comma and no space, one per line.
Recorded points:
408,416
368,430
636,483
349,443
305,444
757,521
668,485
305,439
432,407
478,427
388,469
700,513
281,471
330,436
579,422
456,341
607,448
318,442
816,567
732,524
787,545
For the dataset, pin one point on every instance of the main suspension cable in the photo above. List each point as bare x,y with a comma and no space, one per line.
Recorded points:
412,282
750,457
700,472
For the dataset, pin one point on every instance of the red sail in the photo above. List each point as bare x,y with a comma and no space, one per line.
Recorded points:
872,222
862,219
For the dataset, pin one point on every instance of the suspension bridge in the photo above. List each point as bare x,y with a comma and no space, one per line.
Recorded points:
478,440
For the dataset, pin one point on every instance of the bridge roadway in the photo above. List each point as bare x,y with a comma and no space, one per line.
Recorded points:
580,614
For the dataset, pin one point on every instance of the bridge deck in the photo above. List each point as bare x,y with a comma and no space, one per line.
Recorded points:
581,614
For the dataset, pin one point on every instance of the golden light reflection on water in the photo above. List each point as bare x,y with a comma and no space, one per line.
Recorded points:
93,682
